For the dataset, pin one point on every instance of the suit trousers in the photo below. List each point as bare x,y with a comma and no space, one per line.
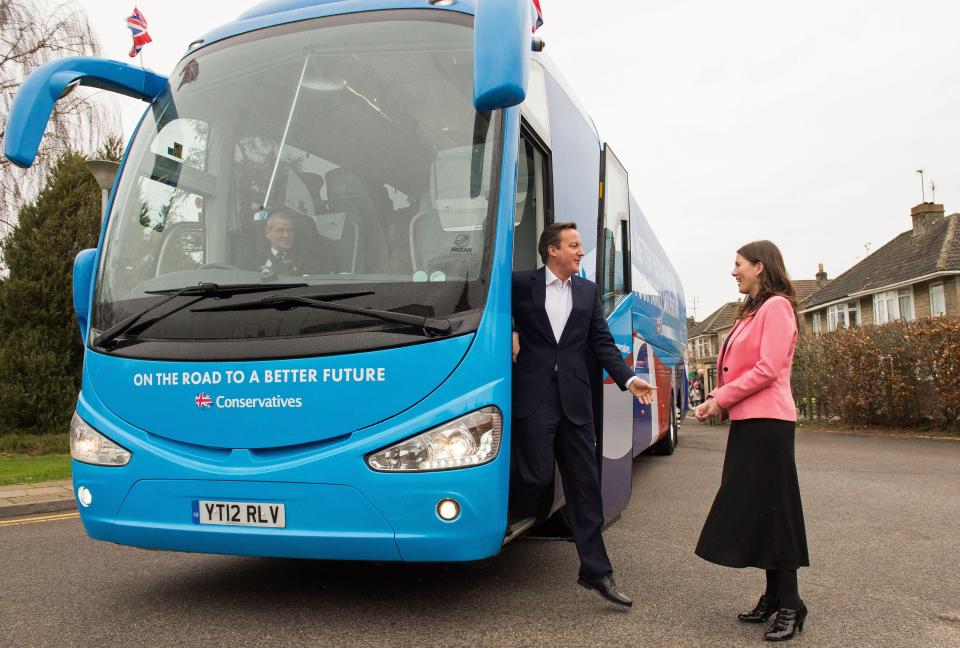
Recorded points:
548,434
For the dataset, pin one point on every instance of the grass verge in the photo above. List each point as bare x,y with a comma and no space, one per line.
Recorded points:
34,444
19,469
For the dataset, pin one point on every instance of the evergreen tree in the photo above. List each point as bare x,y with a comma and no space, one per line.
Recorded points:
41,359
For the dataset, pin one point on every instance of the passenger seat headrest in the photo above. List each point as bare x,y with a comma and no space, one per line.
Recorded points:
450,189
344,185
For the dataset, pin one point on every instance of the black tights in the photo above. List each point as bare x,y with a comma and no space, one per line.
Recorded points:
782,586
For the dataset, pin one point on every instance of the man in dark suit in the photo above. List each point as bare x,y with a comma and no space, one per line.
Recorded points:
285,254
557,322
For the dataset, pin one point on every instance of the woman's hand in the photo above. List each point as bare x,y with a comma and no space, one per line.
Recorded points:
516,346
708,408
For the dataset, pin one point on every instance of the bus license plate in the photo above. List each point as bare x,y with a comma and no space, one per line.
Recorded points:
254,514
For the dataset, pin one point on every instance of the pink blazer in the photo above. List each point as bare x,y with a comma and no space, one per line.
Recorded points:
753,368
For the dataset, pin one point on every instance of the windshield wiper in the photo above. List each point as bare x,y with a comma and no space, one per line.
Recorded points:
438,325
201,290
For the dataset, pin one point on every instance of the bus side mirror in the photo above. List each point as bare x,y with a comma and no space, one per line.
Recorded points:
83,267
502,35
33,105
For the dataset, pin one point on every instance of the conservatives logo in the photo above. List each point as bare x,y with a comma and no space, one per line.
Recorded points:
206,401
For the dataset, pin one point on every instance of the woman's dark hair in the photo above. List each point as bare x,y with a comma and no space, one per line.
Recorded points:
552,235
774,279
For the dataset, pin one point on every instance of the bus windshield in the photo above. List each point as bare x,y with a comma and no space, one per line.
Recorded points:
338,158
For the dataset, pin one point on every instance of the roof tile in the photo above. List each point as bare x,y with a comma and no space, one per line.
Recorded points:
904,258
719,319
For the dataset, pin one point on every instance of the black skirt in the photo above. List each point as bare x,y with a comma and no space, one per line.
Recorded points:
757,517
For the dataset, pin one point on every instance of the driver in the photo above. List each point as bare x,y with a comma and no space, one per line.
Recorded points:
288,256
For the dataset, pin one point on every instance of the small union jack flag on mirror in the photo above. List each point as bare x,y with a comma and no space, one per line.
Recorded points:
138,29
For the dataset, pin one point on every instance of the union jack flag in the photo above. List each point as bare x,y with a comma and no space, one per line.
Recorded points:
538,23
203,400
138,29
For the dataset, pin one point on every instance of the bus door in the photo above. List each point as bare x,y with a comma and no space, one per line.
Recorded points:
615,412
533,212
534,175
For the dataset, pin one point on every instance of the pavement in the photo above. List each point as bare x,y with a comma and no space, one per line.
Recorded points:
882,526
30,499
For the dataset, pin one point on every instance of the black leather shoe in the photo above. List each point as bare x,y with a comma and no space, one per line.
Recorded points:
606,588
786,624
763,611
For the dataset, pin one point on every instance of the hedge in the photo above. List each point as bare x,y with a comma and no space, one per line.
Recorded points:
901,373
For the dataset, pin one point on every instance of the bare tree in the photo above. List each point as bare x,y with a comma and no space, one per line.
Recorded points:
32,33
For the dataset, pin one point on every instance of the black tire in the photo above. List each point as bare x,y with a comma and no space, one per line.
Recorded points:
668,443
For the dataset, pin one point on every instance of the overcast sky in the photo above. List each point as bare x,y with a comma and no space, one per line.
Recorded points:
801,122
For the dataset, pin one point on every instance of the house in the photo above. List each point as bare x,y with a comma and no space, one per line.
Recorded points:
807,288
704,340
917,274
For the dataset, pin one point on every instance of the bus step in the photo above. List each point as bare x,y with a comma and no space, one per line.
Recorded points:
517,529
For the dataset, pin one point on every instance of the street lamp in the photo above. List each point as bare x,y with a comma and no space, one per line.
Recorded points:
104,171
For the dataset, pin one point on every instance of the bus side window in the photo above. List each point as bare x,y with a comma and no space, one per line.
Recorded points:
614,279
532,211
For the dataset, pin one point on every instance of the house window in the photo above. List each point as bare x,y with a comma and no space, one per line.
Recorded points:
937,304
842,316
905,297
703,347
893,305
817,326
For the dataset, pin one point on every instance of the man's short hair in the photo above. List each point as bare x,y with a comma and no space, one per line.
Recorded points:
552,235
278,212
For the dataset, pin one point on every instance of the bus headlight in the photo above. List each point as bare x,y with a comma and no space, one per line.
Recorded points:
469,440
89,446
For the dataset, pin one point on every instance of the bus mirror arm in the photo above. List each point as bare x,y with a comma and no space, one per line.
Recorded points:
33,105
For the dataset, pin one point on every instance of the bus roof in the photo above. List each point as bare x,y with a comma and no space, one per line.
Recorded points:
278,12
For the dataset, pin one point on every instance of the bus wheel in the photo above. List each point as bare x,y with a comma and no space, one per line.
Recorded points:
668,443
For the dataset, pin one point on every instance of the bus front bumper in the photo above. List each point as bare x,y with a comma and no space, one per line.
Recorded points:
389,518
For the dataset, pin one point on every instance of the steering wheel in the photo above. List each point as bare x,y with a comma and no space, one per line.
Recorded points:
217,266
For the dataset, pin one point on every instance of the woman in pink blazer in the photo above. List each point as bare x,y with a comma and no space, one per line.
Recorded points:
757,516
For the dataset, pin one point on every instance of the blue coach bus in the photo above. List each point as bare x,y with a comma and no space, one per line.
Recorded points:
360,412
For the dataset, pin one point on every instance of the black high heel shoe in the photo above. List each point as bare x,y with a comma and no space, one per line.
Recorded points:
787,623
763,611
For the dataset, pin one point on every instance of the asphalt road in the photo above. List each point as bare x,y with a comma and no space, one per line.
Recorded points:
883,521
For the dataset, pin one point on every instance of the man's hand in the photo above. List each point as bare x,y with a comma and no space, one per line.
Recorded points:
516,345
642,390
708,408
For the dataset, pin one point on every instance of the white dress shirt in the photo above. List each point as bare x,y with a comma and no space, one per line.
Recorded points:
274,253
559,303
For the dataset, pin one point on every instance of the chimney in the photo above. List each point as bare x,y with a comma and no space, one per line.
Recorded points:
821,276
925,215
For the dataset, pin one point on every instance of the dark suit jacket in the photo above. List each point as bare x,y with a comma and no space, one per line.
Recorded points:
586,332
299,262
